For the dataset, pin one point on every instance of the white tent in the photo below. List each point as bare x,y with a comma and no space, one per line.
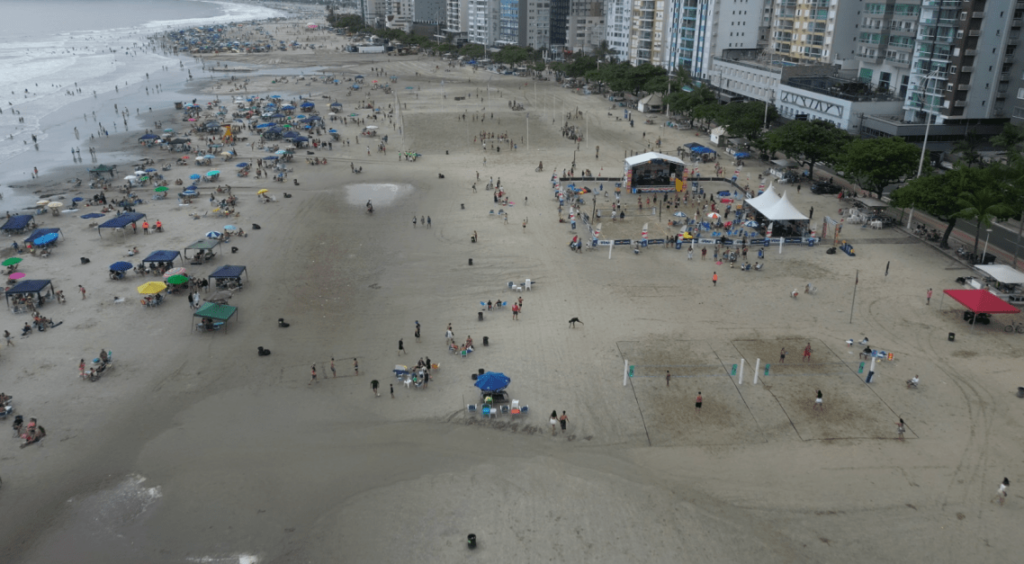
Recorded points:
647,157
1002,273
783,210
765,201
650,103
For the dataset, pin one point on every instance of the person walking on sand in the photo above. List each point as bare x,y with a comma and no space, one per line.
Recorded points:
8,338
1001,494
392,386
417,333
554,422
374,384
703,253
928,297
714,279
668,378
401,347
312,377
782,355
515,311
355,366
414,222
82,290
819,402
563,421
334,373
901,428
699,402
807,352
81,368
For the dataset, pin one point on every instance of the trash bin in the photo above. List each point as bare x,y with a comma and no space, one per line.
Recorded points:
952,336
480,371
472,238
479,316
1020,392
470,262
487,341
463,206
471,539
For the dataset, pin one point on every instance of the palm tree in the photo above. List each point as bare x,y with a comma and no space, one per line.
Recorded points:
968,148
1010,138
983,204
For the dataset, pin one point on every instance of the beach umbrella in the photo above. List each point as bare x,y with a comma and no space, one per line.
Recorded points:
178,279
264,125
93,215
230,228
12,260
353,115
300,139
194,176
262,191
213,173
287,107
270,158
121,266
242,165
54,205
208,156
359,76
311,104
492,381
371,127
152,288
409,87
169,130
174,271
130,177
281,152
17,276
276,97
679,214
751,224
143,178
160,189
45,239
77,199
225,154
148,136
150,170
214,235
713,215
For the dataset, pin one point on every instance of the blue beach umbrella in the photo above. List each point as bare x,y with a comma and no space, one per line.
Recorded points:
213,235
77,199
148,137
121,266
45,239
150,170
93,215
242,165
194,176
264,125
492,381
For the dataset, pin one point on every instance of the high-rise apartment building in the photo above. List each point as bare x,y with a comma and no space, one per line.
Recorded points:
457,17
647,32
560,10
814,31
585,26
885,43
483,20
617,17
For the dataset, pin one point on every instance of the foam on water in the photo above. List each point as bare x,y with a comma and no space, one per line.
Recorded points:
380,194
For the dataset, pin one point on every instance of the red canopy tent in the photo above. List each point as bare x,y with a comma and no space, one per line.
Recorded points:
980,301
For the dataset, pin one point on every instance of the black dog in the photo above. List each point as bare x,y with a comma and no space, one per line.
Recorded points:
256,226
263,352
85,260
281,323
287,195
574,321
234,250
439,175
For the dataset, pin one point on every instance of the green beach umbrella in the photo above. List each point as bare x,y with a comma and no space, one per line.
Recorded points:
160,189
177,279
12,260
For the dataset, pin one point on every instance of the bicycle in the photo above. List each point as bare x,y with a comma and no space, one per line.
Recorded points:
1014,326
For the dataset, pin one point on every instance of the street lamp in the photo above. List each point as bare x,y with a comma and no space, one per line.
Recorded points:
984,253
927,128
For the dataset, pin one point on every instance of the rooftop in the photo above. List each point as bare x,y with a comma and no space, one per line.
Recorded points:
845,89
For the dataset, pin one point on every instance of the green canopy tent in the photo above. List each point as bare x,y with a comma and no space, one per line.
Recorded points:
216,312
203,249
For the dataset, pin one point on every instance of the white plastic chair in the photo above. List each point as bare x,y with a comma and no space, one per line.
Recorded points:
515,404
528,283
408,382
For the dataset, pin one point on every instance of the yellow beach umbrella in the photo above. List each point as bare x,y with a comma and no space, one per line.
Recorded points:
262,191
55,205
152,288
42,203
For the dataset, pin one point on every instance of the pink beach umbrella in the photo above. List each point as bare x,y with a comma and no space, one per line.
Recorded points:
17,276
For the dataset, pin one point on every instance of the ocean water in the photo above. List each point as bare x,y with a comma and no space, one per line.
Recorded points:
51,48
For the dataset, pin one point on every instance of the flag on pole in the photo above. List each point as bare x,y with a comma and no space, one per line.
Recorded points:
768,232
644,234
597,230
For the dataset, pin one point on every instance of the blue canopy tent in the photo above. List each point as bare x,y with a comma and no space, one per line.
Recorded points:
162,256
492,381
742,155
121,221
29,287
17,223
230,272
43,231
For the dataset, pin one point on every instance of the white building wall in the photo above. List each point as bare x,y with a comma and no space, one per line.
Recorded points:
617,23
482,21
457,16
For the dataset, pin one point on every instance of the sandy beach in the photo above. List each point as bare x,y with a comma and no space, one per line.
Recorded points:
195,449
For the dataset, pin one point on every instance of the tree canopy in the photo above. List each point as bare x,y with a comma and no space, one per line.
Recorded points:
745,119
809,141
876,163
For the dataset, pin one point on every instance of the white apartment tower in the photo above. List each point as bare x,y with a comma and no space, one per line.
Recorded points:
814,31
617,17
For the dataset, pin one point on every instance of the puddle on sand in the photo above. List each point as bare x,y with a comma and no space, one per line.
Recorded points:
380,194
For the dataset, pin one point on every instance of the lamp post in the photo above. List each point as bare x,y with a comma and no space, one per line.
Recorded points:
984,253
924,146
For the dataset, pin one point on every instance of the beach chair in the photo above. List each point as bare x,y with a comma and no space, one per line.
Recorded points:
524,409
483,305
471,408
528,284
515,404
408,382
486,411
504,409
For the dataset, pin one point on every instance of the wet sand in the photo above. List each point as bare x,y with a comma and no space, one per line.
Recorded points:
195,449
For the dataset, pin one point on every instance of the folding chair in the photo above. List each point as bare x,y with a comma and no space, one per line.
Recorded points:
471,408
524,409
504,409
515,404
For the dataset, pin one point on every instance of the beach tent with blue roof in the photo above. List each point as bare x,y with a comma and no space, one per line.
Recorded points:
44,231
28,287
17,223
121,221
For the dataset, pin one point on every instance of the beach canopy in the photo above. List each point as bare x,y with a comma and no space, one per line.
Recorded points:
162,256
121,266
148,136
217,312
17,223
46,239
1002,273
781,210
647,157
492,381
152,287
121,221
28,287
981,301
93,215
42,231
229,271
742,155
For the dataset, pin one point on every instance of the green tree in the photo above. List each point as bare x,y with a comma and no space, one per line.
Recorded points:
705,112
539,66
811,142
876,163
982,203
1010,139
968,147
745,119
938,195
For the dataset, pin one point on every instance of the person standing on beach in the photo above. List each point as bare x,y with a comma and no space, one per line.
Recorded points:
401,347
82,289
81,368
563,421
374,384
1001,494
417,331
901,428
312,377
807,352
334,373
7,337
392,386
782,355
668,378
819,403
355,365
714,279
928,298
699,402
554,422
